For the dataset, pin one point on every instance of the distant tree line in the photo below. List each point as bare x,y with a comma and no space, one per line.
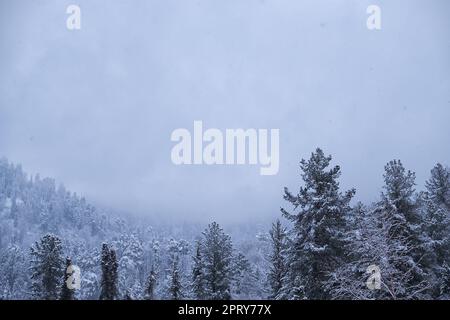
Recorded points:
211,278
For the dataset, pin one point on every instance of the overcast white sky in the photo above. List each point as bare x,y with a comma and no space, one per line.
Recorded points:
95,108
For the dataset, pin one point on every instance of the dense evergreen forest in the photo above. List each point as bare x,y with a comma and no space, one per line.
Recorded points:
320,247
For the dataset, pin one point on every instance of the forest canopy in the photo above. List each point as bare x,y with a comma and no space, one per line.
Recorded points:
320,247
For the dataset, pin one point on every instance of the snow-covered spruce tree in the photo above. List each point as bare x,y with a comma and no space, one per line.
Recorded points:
277,270
438,186
155,262
367,245
109,266
394,237
317,244
244,281
198,277
404,275
178,249
217,256
66,292
176,288
130,253
150,285
46,268
88,259
436,203
114,266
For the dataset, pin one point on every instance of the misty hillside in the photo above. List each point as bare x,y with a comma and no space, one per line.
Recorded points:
31,207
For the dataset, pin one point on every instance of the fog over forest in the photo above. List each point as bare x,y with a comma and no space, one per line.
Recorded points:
221,150
95,108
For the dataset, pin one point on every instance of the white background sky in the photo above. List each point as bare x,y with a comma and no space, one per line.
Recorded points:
95,108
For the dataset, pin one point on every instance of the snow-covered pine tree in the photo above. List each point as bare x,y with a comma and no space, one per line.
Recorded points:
366,244
88,259
176,288
150,286
109,279
438,186
114,266
155,262
198,278
317,245
105,281
46,267
436,201
130,253
66,292
244,279
277,270
404,274
217,256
